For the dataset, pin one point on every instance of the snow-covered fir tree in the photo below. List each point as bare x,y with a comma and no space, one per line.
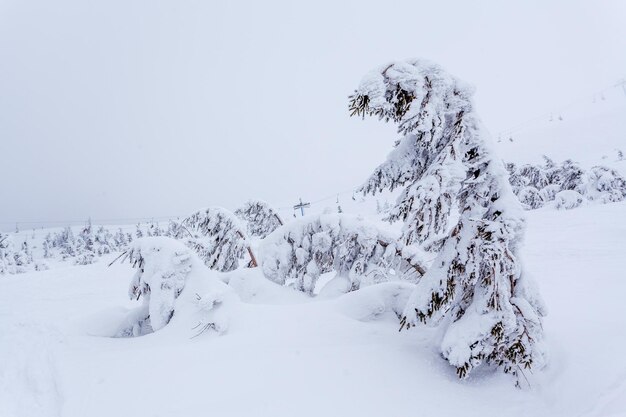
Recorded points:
218,238
174,229
162,268
358,251
455,190
23,258
7,255
120,239
260,218
103,241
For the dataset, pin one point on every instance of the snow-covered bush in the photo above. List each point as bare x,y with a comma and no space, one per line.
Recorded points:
605,185
599,184
568,199
299,252
530,197
162,268
454,187
217,237
7,255
171,280
260,218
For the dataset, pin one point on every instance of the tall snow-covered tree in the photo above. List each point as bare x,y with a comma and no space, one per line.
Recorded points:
356,250
454,189
218,238
260,218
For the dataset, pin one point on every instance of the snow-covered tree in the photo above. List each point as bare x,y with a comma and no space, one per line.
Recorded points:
120,239
358,251
103,241
162,268
7,255
174,229
174,285
24,256
47,252
218,238
604,184
530,197
568,199
260,218
456,190
66,243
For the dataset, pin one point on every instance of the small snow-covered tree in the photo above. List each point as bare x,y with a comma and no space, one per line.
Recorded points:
22,258
173,284
454,189
218,238
299,252
604,184
120,239
66,242
530,197
260,218
7,255
103,241
568,199
162,268
174,229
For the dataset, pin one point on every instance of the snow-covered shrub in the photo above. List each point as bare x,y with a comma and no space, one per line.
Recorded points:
103,242
7,255
172,281
605,185
530,197
23,258
549,192
568,199
65,242
85,258
599,184
162,268
217,237
299,252
452,179
260,218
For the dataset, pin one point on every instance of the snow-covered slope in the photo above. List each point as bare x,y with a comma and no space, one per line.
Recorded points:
589,131
285,354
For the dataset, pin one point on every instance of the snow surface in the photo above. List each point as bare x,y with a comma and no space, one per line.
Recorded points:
285,354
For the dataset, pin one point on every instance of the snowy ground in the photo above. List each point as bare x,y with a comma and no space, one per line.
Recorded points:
285,354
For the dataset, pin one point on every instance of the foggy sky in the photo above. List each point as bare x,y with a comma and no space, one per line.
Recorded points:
120,109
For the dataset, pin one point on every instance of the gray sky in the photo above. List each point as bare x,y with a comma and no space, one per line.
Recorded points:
117,108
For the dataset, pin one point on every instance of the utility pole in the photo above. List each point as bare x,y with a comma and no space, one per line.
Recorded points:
301,206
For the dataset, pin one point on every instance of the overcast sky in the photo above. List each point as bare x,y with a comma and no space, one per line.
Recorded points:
118,108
